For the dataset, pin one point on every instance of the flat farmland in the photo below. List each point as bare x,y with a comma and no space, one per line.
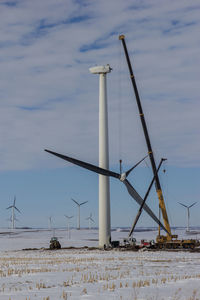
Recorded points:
93,274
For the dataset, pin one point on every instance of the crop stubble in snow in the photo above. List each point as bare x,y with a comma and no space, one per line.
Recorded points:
83,274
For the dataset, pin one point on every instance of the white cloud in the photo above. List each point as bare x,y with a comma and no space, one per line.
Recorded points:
49,99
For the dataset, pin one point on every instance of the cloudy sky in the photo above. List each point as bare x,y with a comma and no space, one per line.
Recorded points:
49,99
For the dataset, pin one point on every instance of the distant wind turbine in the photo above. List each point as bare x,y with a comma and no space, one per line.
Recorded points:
10,220
90,220
188,213
50,225
50,222
13,218
78,217
68,224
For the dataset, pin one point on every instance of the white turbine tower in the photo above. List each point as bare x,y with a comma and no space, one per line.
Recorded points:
50,225
13,218
104,181
78,216
50,222
10,220
188,214
89,221
68,224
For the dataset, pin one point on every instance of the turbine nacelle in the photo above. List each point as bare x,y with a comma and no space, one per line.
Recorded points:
101,69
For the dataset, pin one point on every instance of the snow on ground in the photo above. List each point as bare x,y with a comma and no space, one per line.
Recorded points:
92,274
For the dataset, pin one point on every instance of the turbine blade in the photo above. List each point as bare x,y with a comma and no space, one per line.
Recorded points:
131,169
9,207
192,204
145,198
183,204
75,201
92,220
68,217
17,209
135,222
14,200
85,165
134,194
83,203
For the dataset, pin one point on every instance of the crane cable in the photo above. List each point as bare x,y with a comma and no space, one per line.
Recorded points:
119,109
120,114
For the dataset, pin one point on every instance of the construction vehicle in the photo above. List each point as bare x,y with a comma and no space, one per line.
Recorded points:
162,241
130,241
147,244
54,243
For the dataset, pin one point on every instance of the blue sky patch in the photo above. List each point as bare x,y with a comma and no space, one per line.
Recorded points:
176,25
78,19
29,108
6,44
44,26
139,6
93,46
82,3
98,44
9,3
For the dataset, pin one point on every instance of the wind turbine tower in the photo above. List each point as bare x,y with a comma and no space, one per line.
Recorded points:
78,217
50,222
68,225
104,183
13,207
188,214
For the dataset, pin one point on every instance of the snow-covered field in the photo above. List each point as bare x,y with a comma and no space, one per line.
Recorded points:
92,274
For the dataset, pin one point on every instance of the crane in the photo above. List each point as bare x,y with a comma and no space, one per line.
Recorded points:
162,206
163,241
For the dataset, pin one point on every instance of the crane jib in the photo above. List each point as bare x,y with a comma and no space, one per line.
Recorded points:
146,134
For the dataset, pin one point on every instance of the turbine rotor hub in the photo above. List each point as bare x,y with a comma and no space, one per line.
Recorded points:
123,177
